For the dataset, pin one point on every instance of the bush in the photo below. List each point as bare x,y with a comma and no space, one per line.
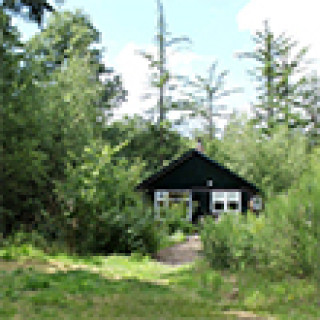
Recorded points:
23,244
174,218
293,227
229,241
102,212
283,240
125,232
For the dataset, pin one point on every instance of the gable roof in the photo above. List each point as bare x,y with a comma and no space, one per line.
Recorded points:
192,153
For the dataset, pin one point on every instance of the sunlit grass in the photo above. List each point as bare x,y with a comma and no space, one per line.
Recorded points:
134,287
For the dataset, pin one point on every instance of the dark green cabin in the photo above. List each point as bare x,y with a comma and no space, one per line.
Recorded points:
205,186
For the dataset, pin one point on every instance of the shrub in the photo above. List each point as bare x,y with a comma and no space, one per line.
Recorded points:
283,240
174,218
21,238
293,226
103,214
229,241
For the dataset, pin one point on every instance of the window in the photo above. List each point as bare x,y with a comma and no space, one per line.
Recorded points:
170,199
226,201
161,200
233,201
218,201
256,203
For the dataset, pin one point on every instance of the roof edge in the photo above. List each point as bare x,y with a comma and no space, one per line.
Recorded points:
143,185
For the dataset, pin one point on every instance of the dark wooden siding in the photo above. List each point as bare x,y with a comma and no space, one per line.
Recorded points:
194,173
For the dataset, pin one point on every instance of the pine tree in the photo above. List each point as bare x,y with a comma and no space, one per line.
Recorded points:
311,97
208,92
162,76
279,74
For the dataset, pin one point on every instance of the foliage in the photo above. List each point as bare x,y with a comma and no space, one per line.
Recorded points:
29,245
162,78
283,240
293,220
37,156
273,163
101,207
311,97
66,35
229,242
279,79
175,219
35,9
163,81
21,161
69,35
208,92
50,111
144,142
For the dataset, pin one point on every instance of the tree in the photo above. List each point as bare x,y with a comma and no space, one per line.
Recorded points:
21,161
209,90
49,115
36,8
101,207
69,35
279,78
161,75
273,162
143,138
310,93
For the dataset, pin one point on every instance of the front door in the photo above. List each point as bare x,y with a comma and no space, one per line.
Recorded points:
202,206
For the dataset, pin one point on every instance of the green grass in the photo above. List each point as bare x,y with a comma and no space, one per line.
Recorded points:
118,287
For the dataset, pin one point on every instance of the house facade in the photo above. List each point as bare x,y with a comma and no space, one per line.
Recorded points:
201,185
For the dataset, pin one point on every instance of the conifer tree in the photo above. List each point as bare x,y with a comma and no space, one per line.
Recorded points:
279,74
162,76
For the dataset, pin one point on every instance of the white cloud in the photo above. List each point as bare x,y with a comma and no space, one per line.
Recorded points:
299,19
134,71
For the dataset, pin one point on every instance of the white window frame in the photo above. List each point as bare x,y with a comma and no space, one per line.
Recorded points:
164,196
224,197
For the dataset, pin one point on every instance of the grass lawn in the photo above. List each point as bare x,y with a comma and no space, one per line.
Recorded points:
118,287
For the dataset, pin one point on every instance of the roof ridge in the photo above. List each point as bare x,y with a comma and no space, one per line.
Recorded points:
175,162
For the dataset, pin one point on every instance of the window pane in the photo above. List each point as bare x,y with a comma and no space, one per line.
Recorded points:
178,195
233,205
164,194
218,195
218,205
232,195
161,195
161,203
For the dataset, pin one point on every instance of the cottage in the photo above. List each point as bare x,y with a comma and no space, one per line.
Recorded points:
203,185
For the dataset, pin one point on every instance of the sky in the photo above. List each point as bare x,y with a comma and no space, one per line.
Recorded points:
218,30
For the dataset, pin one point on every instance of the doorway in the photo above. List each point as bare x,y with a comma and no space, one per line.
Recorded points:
202,207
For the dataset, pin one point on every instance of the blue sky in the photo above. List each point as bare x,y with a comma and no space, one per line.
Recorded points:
217,28
211,25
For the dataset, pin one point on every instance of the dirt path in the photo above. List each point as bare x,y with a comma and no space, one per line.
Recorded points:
187,252
181,253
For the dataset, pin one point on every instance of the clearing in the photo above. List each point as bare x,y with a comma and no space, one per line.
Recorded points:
38,286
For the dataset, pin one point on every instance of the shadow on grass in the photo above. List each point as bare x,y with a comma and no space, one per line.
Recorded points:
73,282
30,294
